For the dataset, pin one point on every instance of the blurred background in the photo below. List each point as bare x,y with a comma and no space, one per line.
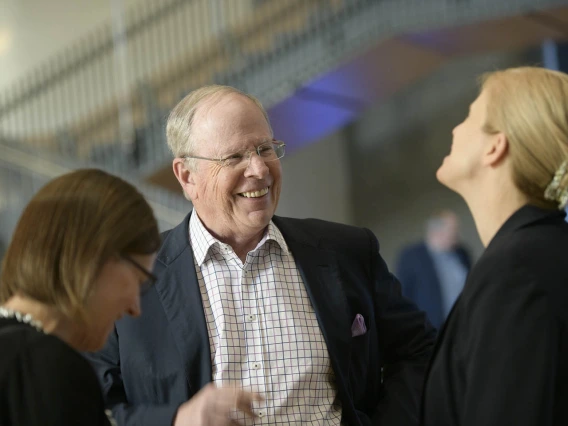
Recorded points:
365,93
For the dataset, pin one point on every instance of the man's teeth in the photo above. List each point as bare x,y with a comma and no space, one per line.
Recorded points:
255,194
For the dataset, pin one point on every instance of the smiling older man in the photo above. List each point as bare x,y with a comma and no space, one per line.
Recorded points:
255,318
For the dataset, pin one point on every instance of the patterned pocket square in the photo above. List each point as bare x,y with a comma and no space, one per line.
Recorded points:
358,328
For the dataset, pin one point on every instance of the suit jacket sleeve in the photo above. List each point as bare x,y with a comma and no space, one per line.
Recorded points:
107,366
512,355
407,339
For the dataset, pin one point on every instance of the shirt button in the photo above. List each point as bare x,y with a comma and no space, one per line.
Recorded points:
256,365
251,317
261,414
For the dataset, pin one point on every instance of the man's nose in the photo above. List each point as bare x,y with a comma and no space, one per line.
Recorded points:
255,165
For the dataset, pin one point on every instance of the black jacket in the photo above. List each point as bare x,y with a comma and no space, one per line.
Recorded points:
502,356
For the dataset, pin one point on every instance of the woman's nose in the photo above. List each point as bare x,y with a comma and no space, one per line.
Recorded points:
134,307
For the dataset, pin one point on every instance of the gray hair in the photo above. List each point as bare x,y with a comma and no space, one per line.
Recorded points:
180,120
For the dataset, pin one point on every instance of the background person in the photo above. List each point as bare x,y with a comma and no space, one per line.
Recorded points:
432,272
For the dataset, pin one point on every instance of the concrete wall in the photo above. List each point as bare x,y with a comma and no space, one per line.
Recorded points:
317,182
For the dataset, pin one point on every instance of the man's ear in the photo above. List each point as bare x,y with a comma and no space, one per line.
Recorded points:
497,149
185,177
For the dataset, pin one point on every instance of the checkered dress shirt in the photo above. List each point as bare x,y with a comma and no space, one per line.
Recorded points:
263,330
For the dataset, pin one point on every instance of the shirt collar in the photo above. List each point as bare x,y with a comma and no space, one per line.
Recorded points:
202,240
275,235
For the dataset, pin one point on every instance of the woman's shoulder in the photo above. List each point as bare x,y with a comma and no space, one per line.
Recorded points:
533,249
57,381
527,266
25,345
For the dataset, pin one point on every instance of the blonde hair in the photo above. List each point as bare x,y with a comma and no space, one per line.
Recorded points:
530,106
180,120
68,231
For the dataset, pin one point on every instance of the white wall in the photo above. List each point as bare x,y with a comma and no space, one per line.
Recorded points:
33,30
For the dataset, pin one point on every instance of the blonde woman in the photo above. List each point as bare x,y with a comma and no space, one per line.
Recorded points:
79,257
502,358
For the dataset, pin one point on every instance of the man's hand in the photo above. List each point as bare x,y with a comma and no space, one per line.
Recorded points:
212,406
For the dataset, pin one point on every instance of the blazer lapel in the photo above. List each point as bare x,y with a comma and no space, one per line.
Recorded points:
318,268
321,278
178,289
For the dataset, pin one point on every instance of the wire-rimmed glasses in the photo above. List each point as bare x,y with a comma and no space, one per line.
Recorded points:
268,151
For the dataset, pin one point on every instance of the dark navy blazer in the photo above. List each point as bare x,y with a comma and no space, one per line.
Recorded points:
154,363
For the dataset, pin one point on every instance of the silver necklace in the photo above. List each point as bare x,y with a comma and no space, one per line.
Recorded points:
21,317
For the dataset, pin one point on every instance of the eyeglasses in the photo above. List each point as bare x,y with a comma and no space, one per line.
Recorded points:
145,286
268,151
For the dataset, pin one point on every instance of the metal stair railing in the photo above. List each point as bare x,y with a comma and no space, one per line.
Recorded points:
23,172
92,95
270,51
333,36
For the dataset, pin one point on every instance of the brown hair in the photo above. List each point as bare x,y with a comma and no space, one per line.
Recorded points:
68,231
530,106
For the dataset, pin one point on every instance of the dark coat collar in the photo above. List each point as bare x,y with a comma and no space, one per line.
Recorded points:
526,216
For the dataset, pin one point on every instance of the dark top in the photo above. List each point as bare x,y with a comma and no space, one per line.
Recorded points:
502,357
45,382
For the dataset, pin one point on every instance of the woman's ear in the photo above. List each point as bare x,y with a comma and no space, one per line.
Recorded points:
497,149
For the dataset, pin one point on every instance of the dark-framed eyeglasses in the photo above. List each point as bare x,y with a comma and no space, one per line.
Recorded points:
268,151
151,278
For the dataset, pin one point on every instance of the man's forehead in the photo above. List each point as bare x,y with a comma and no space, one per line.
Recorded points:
236,145
226,125
223,103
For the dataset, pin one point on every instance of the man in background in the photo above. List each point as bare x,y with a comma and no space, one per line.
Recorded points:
433,272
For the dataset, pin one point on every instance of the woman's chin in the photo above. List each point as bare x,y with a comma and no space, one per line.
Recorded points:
448,178
442,172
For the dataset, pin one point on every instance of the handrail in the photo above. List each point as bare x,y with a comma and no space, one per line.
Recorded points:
30,164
